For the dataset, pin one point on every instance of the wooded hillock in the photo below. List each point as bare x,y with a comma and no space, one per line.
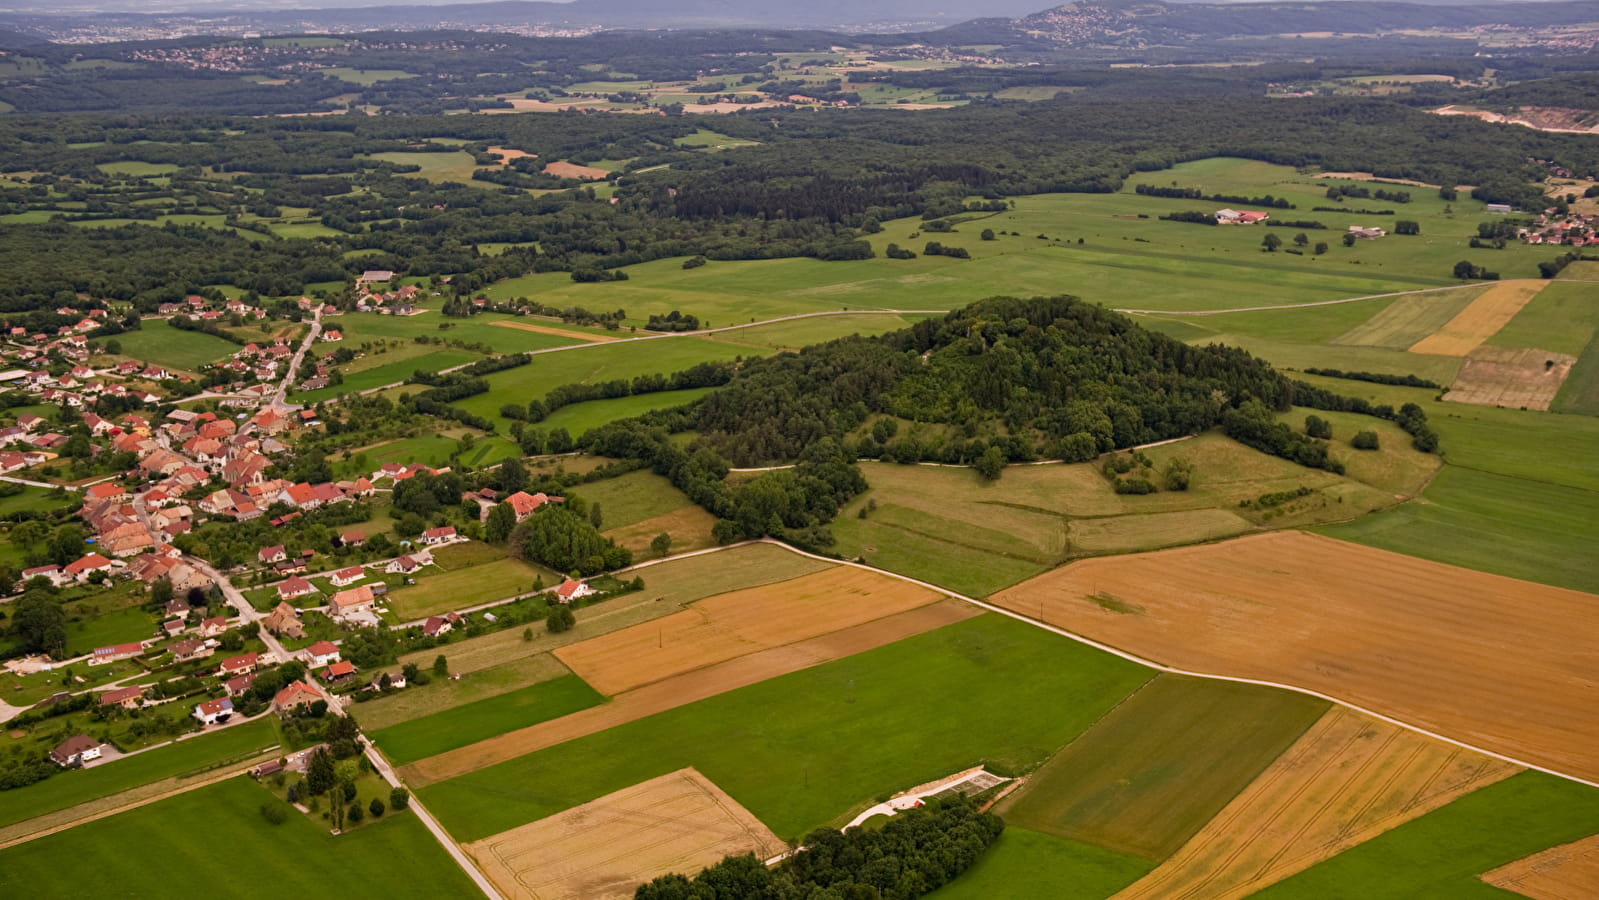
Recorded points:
1052,376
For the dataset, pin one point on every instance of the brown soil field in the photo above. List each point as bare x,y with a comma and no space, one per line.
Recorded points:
730,625
571,170
1481,320
690,528
1346,780
606,848
1518,379
1567,872
1491,661
686,689
506,154
559,332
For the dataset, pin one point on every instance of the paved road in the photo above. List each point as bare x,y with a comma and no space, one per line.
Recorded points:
294,364
443,837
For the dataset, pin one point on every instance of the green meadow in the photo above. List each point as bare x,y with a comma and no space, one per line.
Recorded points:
804,749
157,342
473,722
1026,864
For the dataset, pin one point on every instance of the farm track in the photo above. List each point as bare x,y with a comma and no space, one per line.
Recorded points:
1240,309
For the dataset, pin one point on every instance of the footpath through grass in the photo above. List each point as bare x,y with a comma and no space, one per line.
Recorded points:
1441,854
473,722
80,786
216,840
803,749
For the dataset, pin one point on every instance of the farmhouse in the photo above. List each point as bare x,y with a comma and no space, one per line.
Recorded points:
294,697
525,504
274,554
1239,217
403,565
115,653
437,625
81,569
375,276
294,586
214,712
339,671
352,601
319,654
572,590
1366,233
75,751
127,698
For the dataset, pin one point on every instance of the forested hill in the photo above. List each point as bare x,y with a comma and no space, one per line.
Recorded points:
1054,377
1132,23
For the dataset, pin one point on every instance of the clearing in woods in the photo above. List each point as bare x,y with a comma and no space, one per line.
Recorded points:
1348,779
559,332
1567,872
562,169
1519,379
606,848
687,688
1480,658
1150,774
1410,319
732,625
1480,320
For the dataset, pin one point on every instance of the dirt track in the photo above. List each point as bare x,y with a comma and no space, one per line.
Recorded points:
1346,780
734,624
1502,664
1567,872
686,689
605,848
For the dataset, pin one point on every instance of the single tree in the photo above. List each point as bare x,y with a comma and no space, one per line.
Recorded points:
399,798
1301,239
441,666
319,774
662,544
1271,242
596,518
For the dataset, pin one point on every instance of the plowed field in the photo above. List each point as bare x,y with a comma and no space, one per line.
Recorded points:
1479,321
1347,779
675,823
1506,665
735,624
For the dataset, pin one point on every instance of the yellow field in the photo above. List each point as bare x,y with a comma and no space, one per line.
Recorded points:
1346,780
1567,872
739,623
558,332
606,848
1480,320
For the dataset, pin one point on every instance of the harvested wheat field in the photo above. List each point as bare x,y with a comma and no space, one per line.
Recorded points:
1480,320
730,625
1492,661
506,154
1518,379
558,332
688,688
1346,780
606,848
572,170
1567,872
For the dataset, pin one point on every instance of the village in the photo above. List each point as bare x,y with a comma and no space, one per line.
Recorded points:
227,638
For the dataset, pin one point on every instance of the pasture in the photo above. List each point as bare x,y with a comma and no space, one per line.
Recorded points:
108,628
68,789
358,380
798,333
1025,863
474,685
604,849
454,165
154,341
578,418
730,625
948,526
393,858
1484,659
640,505
1562,318
473,573
807,748
1150,774
472,722
1442,853
1346,780
365,77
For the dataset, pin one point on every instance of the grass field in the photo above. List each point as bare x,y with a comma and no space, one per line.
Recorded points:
470,577
429,449
189,833
485,718
806,748
456,166
1147,777
580,417
1563,317
360,329
1510,526
1442,853
157,342
1480,658
1407,320
1024,864
118,627
365,77
1347,780
136,168
388,373
71,788
634,497
948,526
799,333
1481,319
1580,393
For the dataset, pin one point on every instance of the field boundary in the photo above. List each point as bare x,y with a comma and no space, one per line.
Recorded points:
1217,312
1161,667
